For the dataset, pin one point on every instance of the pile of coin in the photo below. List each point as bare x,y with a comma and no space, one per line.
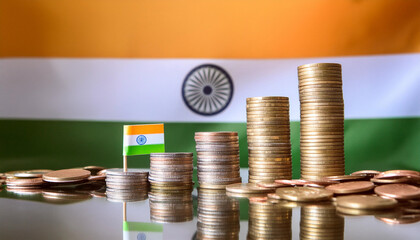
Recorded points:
218,215
269,221
217,159
321,120
268,134
321,222
170,206
126,186
171,171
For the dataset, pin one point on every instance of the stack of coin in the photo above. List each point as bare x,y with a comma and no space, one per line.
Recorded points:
24,183
217,159
171,171
126,186
171,206
322,120
67,176
321,222
269,221
218,215
268,134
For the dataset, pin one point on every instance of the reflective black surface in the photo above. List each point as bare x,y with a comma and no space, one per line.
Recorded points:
84,213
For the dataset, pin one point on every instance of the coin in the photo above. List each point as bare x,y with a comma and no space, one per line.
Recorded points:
66,175
303,194
350,187
246,188
398,191
31,173
368,202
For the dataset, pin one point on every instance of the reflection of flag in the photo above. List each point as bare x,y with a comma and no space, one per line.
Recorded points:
143,139
142,231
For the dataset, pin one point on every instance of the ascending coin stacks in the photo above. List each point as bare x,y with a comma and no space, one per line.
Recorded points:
217,159
321,120
171,171
218,215
268,134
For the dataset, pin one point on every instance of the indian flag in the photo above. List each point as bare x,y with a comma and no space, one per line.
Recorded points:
143,139
73,71
142,231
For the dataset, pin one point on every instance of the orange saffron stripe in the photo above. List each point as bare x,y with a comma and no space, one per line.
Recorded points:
143,129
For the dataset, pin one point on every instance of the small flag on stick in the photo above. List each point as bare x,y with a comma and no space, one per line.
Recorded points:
143,139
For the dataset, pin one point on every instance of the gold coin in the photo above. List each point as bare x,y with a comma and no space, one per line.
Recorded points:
277,98
304,194
367,202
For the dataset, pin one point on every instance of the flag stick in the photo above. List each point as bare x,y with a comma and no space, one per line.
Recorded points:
124,211
125,163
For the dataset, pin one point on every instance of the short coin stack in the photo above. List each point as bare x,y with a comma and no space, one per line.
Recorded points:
268,134
269,221
171,171
217,159
322,120
321,222
218,215
126,186
171,206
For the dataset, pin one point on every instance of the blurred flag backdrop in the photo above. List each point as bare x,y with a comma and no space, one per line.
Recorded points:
72,72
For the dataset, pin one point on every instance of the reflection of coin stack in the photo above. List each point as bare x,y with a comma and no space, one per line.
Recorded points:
321,222
126,186
269,221
322,120
170,206
217,159
171,171
268,134
218,215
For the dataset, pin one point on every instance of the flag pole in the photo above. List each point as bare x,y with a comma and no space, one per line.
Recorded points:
124,211
125,163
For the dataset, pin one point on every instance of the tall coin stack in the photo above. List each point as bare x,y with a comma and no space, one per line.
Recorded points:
171,171
126,186
269,221
218,215
217,159
321,120
268,134
171,206
321,222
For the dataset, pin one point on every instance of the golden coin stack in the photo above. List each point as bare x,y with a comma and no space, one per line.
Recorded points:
268,134
126,186
171,171
269,221
321,222
217,159
171,206
218,215
321,120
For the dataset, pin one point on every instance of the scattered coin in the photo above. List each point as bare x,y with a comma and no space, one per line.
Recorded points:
398,191
66,175
350,187
304,194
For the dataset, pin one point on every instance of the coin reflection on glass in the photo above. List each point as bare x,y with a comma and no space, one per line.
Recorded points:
321,222
269,220
218,215
171,206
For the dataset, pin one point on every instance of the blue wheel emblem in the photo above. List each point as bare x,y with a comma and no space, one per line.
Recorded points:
207,89
141,140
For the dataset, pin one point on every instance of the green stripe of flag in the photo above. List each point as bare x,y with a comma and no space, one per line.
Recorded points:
379,144
142,227
143,149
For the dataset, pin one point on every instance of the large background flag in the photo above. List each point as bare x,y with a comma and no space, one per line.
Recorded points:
143,139
72,72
